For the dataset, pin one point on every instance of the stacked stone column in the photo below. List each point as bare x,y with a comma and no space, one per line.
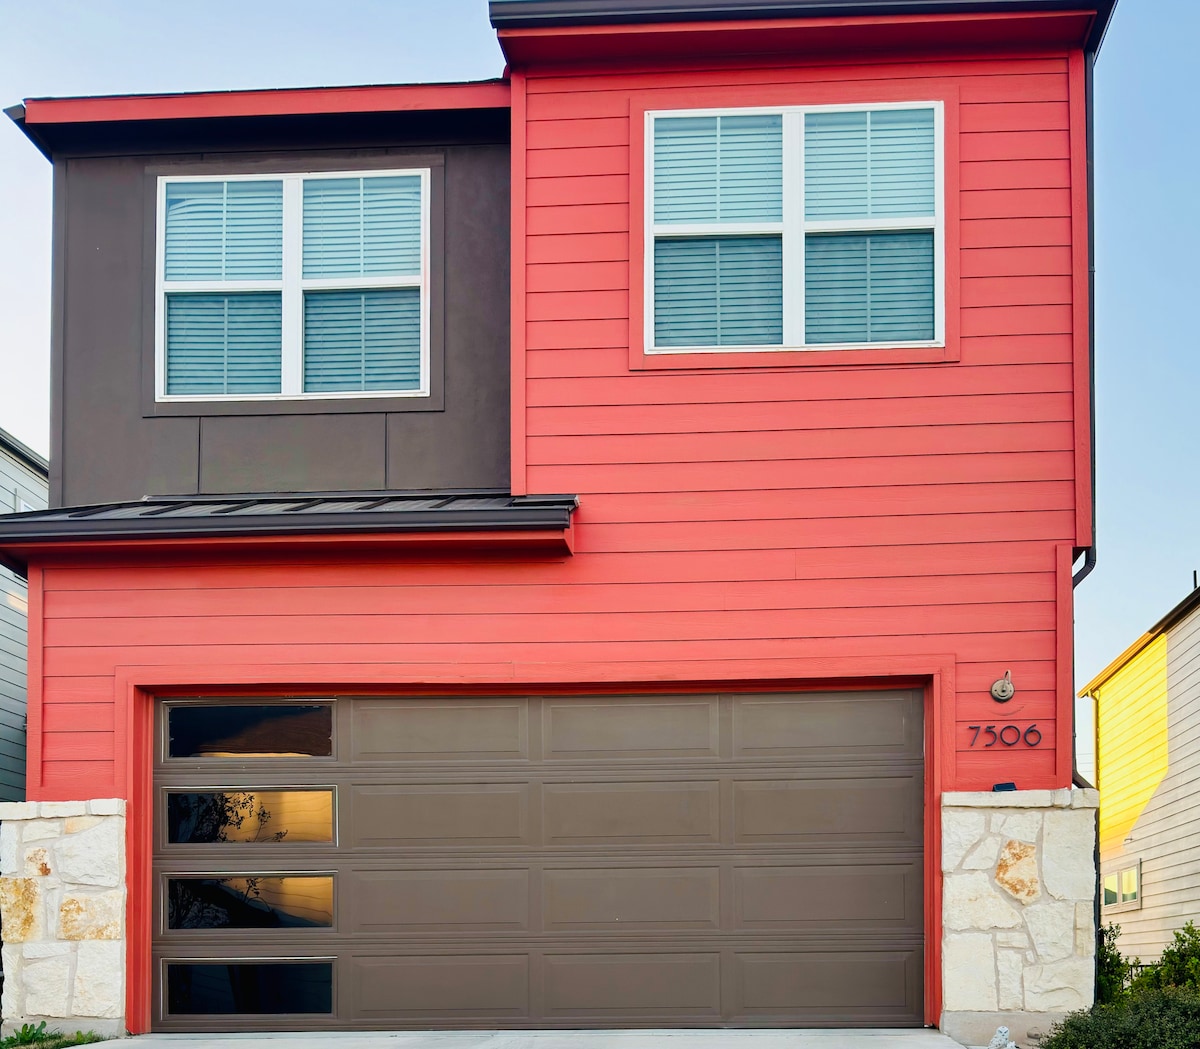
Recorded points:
62,905
1018,911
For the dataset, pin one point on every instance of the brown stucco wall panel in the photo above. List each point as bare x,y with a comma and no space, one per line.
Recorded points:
117,443
291,453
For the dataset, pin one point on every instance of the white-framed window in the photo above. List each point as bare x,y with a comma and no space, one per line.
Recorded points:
795,228
1123,887
295,285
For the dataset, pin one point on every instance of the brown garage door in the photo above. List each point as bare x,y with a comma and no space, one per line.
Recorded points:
597,861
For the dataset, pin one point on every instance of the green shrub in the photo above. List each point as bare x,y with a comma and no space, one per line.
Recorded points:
1179,965
1112,970
1151,1018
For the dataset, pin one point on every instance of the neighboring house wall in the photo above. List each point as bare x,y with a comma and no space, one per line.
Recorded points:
22,487
1148,769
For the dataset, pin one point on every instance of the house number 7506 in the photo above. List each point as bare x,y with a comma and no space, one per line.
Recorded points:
1008,736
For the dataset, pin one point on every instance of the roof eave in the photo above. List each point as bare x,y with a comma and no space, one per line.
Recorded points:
1185,607
26,455
529,14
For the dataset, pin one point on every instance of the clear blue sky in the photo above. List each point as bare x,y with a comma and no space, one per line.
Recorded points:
1148,221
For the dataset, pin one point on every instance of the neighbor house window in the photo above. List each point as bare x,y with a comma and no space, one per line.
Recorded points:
295,285
1123,888
804,228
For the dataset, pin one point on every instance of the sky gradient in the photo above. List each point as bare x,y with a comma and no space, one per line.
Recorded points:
1147,223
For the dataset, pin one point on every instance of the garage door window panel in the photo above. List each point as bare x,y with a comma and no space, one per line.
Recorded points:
250,816
250,901
245,730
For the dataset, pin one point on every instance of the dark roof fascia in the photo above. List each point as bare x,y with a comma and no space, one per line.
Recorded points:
17,115
49,526
26,455
534,14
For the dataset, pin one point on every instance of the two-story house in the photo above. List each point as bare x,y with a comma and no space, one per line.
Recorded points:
23,475
1147,703
587,549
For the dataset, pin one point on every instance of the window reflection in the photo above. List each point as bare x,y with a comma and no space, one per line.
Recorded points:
252,902
228,730
249,816
213,988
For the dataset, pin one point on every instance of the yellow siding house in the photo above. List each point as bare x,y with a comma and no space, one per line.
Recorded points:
1148,771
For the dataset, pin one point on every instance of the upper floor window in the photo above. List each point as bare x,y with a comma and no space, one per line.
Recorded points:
799,228
293,285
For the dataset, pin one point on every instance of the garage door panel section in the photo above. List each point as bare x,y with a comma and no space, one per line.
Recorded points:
841,896
459,901
637,729
541,861
873,988
441,990
441,730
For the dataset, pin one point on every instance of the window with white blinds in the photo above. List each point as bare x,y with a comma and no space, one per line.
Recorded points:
293,285
798,228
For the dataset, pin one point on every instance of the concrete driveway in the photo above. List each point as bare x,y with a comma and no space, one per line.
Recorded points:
900,1039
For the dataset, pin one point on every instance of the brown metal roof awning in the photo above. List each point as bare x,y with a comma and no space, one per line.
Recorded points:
299,515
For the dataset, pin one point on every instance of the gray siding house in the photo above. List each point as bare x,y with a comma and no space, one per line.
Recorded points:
23,487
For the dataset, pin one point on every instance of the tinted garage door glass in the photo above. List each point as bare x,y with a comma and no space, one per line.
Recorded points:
706,860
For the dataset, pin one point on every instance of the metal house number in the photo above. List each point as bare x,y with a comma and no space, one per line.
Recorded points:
1007,736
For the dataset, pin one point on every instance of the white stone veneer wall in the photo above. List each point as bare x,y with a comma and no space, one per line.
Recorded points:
62,912
1018,911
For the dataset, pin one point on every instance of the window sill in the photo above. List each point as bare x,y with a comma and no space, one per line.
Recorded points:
1116,908
787,357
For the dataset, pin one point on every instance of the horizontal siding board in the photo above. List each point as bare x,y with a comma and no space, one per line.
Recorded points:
596,160
1015,145
963,559
1016,291
577,218
564,134
794,594
1023,261
801,415
577,276
555,248
1015,115
767,446
764,385
815,473
578,189
1017,320
1014,174
1015,203
577,305
409,662
1015,233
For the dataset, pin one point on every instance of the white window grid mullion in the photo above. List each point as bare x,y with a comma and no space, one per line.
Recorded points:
221,286
715,229
872,225
160,297
425,293
939,234
793,229
292,365
414,280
